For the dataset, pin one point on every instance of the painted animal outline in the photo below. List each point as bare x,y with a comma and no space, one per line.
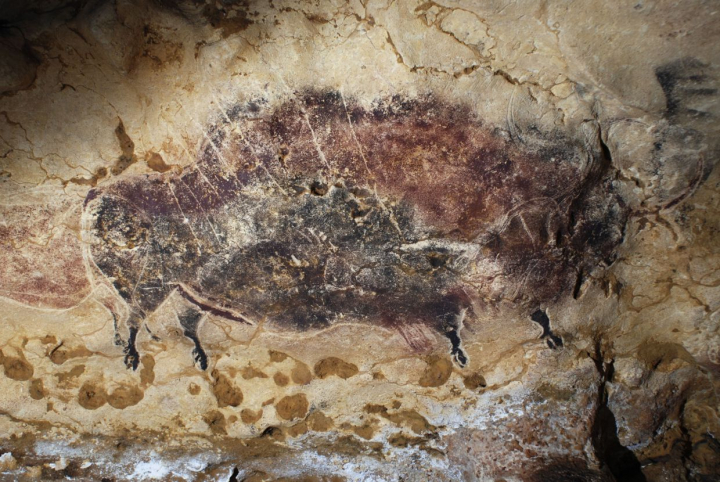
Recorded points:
294,158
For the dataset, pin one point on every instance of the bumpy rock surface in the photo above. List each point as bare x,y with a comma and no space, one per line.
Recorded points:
346,240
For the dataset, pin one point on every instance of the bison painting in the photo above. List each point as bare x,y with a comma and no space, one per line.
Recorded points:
321,209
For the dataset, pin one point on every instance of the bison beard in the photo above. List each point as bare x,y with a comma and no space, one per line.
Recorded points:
320,210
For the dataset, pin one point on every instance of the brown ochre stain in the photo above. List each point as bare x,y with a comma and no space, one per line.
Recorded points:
300,374
281,379
277,356
216,422
147,373
437,372
249,372
225,391
297,429
92,396
250,416
319,422
127,147
156,162
69,378
37,389
194,389
335,366
365,431
409,418
125,396
16,368
323,209
64,352
292,406
474,381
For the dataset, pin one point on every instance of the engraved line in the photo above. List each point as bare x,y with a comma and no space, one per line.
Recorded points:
185,219
315,141
203,210
142,273
247,143
352,130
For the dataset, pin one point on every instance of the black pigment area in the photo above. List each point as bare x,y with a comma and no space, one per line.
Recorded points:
541,318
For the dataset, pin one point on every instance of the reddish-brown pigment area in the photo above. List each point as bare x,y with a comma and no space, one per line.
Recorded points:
42,258
321,210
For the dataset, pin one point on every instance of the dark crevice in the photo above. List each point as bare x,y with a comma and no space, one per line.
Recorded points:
578,284
270,432
685,444
234,475
613,456
607,157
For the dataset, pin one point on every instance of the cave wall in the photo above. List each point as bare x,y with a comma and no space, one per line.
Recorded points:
330,240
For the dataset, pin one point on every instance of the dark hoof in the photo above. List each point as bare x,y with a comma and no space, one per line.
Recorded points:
132,358
152,335
457,353
554,342
459,357
200,358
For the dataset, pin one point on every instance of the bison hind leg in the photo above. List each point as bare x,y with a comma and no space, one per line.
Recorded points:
457,352
132,356
189,321
117,339
454,310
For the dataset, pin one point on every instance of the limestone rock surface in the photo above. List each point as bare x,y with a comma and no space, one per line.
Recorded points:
359,240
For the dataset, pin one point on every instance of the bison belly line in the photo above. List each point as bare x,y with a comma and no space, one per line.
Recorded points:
211,306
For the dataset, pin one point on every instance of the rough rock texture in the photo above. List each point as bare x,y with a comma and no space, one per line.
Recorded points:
338,240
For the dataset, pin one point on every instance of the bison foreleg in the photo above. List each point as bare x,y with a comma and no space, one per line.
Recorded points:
132,357
189,320
117,339
111,304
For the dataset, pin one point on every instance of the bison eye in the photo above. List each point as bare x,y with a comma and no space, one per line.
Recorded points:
437,260
358,212
318,188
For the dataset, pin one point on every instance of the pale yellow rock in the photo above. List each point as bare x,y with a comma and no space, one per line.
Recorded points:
411,40
563,90
7,462
34,472
468,29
